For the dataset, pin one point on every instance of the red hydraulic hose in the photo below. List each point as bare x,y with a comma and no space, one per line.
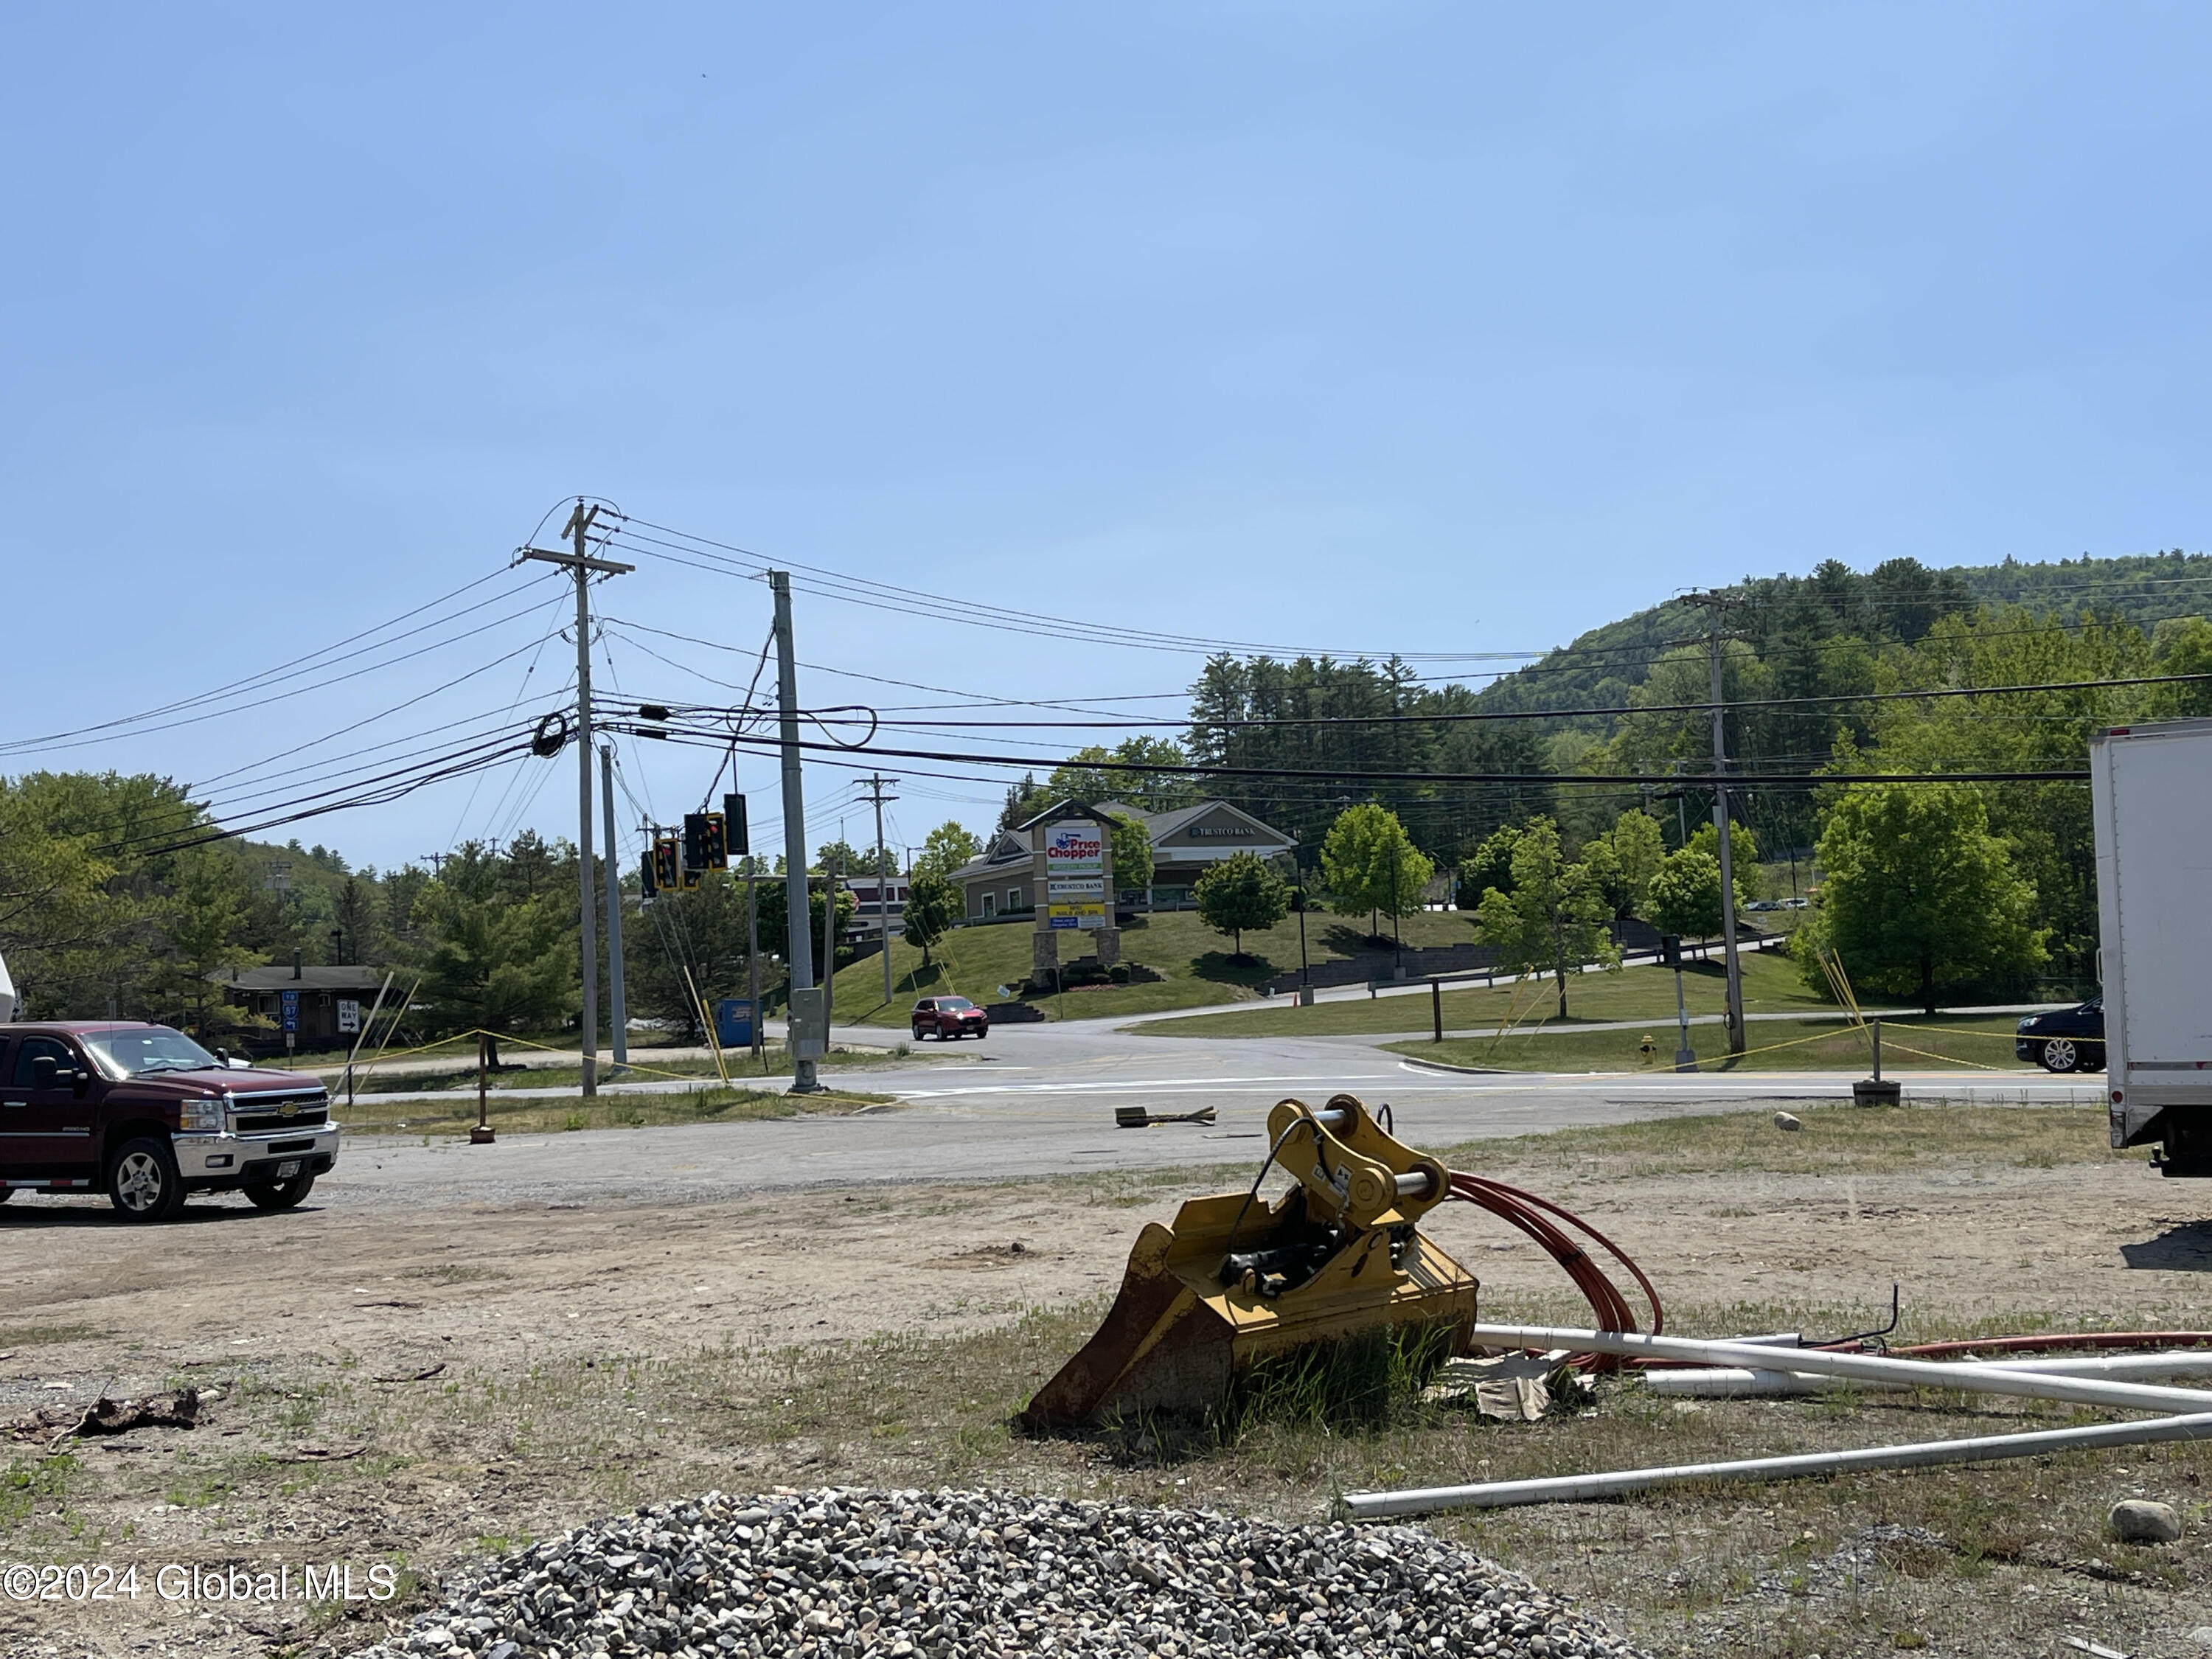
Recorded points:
2046,1341
1531,1215
1528,1213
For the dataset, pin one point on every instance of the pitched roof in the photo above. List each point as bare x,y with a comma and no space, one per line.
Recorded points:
1010,847
278,977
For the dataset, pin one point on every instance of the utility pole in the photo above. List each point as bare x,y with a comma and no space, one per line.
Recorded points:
829,874
798,935
752,952
621,1010
883,878
579,530
1716,604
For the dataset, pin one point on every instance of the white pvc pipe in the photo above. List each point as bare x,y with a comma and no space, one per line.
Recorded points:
1581,1488
1908,1373
1737,1382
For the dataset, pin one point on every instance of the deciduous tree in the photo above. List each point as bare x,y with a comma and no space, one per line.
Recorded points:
1555,916
932,905
1241,891
1919,897
1130,847
1637,847
946,848
1371,864
1684,897
1487,864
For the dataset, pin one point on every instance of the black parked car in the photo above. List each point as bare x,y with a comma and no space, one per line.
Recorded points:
2066,1039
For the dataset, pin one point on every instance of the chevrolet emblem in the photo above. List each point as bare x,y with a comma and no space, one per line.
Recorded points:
289,1108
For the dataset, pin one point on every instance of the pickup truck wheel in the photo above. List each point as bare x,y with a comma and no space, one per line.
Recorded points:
2059,1055
280,1194
142,1181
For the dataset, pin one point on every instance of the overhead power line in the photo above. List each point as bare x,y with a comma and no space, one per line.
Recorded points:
254,689
1358,774
906,600
1459,717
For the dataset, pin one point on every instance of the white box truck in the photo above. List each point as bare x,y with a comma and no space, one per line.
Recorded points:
2151,796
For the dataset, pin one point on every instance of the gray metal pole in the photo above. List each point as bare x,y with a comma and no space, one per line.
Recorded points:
579,524
752,951
621,1011
1735,1037
798,935
830,875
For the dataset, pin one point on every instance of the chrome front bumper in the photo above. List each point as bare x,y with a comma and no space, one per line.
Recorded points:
208,1156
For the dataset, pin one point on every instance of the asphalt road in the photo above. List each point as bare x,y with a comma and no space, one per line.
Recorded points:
1039,1100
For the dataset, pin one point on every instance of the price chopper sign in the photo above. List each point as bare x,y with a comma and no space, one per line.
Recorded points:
1075,874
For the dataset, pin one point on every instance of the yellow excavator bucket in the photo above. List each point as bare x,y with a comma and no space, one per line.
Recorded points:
1234,1280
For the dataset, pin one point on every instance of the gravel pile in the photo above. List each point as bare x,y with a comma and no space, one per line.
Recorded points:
968,1575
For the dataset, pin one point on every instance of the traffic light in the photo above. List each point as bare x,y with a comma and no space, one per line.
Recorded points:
706,846
667,874
648,883
733,816
1671,951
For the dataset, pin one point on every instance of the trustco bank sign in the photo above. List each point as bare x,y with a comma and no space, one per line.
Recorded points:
1075,874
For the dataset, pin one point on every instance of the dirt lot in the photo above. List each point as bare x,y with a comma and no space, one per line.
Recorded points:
415,1389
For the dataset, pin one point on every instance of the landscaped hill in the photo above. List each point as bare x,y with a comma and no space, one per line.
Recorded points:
1192,961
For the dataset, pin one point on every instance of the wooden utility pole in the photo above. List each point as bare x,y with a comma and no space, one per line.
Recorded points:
883,878
1715,604
584,566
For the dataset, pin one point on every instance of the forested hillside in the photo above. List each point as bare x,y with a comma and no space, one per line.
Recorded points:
1812,667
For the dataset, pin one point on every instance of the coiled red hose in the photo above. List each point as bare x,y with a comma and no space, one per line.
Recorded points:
1531,1214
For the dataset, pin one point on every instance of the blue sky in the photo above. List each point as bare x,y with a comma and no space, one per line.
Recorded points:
1440,329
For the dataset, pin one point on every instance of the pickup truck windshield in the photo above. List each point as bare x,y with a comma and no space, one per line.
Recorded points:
158,1048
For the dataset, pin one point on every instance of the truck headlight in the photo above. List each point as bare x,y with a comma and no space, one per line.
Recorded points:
201,1115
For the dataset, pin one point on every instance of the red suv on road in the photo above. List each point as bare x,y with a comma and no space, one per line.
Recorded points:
949,1016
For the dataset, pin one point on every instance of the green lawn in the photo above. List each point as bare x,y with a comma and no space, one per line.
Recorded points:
1772,984
1813,1046
1194,962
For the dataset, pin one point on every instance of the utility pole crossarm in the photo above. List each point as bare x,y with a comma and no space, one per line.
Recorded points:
575,562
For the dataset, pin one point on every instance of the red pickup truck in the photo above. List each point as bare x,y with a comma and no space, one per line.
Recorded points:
147,1113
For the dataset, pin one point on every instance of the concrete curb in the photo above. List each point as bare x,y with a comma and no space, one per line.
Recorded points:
1446,1066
